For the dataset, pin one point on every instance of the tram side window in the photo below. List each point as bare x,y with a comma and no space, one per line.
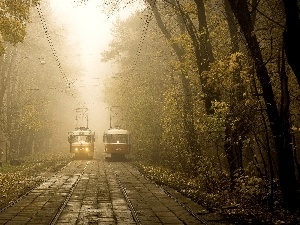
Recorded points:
117,138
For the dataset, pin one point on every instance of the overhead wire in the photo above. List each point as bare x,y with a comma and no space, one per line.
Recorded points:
116,6
68,83
148,18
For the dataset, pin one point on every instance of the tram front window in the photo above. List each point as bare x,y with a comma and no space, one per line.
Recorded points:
117,138
82,138
88,139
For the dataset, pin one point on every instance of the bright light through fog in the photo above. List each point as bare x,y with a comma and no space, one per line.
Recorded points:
88,31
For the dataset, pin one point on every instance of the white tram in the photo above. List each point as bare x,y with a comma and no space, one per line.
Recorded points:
116,142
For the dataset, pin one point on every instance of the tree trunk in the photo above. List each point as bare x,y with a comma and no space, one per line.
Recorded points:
235,134
6,70
292,36
188,117
204,56
233,31
279,126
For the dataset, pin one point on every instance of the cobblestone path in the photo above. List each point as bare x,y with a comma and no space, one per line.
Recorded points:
106,193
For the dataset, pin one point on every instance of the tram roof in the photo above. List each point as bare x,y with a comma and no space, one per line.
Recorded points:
116,131
81,132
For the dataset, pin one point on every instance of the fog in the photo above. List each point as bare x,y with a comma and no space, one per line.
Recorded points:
86,33
79,34
57,69
210,104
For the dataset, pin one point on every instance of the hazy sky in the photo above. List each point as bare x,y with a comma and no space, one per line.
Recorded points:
87,31
87,34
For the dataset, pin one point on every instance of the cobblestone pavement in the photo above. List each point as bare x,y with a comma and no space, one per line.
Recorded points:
106,193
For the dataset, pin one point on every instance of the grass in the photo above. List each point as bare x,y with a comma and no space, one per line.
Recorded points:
16,180
247,204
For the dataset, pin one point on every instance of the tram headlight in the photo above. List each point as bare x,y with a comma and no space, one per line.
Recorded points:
86,149
76,149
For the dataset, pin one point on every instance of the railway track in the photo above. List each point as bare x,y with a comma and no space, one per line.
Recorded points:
44,204
11,203
68,196
130,205
187,208
100,192
172,210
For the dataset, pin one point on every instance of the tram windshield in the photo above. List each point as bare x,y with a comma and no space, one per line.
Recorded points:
82,138
117,138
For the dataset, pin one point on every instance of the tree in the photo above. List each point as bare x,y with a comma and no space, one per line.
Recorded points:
292,35
188,109
34,90
137,88
246,51
13,19
279,123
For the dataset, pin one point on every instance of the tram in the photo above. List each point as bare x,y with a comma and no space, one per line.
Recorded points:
82,141
116,142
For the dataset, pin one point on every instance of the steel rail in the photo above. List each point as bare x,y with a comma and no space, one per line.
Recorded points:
131,207
27,193
67,199
129,203
188,209
184,206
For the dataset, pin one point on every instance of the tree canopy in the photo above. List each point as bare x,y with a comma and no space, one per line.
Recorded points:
228,84
13,19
